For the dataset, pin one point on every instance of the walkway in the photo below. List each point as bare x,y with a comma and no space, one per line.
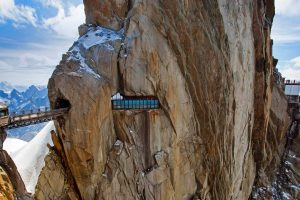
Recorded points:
120,102
16,120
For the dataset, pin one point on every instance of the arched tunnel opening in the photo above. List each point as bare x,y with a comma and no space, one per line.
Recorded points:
62,103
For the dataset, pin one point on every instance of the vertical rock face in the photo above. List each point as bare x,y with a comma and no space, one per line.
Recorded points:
267,175
6,187
54,176
200,59
262,16
270,105
288,179
106,13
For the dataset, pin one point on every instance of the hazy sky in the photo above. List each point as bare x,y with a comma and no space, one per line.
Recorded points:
35,33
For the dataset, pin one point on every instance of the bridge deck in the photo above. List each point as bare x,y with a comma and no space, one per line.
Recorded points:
26,119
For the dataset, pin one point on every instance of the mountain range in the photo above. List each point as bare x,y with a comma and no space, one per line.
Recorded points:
7,87
22,98
31,98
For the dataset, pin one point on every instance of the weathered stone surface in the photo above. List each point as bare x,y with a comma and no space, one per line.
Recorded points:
3,135
291,176
11,170
106,13
205,63
274,146
11,183
6,187
53,181
263,74
270,105
87,131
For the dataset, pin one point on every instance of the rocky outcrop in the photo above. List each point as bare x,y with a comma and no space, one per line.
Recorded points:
110,14
11,170
271,119
6,187
11,183
3,136
289,175
53,181
205,61
263,15
279,121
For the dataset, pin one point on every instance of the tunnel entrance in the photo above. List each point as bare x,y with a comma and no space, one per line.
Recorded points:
62,103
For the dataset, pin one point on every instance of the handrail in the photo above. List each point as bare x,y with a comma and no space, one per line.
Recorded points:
135,104
24,112
26,119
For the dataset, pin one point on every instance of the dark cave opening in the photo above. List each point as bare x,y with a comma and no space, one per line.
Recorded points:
62,103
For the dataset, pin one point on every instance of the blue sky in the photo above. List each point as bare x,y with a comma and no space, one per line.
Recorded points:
286,36
33,36
35,33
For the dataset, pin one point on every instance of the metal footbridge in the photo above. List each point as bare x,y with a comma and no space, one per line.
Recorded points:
26,118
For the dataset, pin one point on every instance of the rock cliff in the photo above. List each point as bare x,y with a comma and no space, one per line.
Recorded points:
274,144
208,62
6,187
11,183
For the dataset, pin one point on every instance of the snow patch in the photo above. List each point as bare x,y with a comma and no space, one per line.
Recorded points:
286,196
117,96
94,36
12,145
98,35
30,158
75,55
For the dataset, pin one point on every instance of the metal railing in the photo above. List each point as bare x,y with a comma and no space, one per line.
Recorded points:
25,112
134,102
292,82
27,118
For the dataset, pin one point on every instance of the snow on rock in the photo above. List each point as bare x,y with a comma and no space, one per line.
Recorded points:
76,56
117,96
98,35
94,36
12,145
30,158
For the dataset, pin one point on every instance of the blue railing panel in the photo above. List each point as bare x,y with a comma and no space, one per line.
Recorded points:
128,104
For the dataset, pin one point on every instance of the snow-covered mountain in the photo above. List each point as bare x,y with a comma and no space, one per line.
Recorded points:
7,87
29,157
32,97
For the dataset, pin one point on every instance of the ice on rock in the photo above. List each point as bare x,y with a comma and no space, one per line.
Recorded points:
75,55
99,35
117,96
94,36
